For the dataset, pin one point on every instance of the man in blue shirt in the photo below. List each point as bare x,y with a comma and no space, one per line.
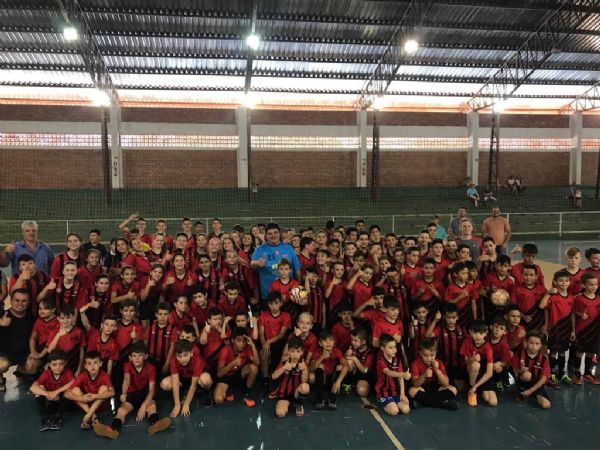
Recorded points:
267,256
41,252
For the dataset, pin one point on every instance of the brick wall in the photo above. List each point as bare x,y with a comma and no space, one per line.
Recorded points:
55,113
420,168
537,169
51,169
178,115
304,169
527,120
390,118
589,168
179,168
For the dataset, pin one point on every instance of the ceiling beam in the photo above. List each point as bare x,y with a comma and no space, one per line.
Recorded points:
519,68
590,99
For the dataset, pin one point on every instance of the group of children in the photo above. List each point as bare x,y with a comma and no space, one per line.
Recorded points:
412,320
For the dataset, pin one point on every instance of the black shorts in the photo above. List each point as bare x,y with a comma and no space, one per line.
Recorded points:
234,380
186,383
523,386
136,398
489,385
354,378
456,373
558,344
15,360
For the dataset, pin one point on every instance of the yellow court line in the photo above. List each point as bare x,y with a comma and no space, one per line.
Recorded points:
392,437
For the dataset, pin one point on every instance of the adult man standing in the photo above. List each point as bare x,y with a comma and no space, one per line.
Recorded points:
498,228
266,257
41,252
15,328
454,226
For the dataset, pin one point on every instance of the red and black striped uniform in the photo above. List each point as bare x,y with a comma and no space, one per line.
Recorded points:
449,343
288,382
59,262
528,301
575,286
44,328
159,341
87,277
587,330
464,305
560,310
66,295
104,308
387,386
538,365
243,277
419,333
315,304
210,282
401,293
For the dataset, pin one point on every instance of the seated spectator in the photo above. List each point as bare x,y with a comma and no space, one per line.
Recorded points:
473,195
520,184
510,183
578,198
488,197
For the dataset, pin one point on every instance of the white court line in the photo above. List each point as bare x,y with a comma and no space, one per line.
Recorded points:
392,437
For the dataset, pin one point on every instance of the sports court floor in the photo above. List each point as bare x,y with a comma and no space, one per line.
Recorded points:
571,424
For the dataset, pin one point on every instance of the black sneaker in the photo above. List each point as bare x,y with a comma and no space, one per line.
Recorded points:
45,426
53,423
332,405
58,421
449,405
208,400
320,406
2,384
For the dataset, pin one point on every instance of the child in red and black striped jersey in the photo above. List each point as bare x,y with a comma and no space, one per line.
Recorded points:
418,328
49,389
284,284
430,383
126,287
65,289
389,387
573,259
427,289
302,331
479,359
587,328
30,279
160,338
360,285
96,300
391,323
450,337
291,376
188,371
324,367
559,325
241,319
46,324
372,310
139,387
459,293
361,361
532,370
316,300
502,353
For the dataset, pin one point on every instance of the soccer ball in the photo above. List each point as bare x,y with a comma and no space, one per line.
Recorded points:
299,295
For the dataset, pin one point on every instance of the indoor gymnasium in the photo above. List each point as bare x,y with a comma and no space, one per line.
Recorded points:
299,224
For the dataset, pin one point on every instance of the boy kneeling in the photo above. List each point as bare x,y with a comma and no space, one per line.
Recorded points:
291,376
139,386
389,388
430,383
188,371
532,370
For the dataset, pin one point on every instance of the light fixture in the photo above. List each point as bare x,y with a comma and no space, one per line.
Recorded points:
249,100
100,98
411,46
70,33
253,41
380,102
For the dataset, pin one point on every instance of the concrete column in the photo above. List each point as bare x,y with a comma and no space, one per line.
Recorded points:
575,126
361,152
241,120
473,152
116,153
